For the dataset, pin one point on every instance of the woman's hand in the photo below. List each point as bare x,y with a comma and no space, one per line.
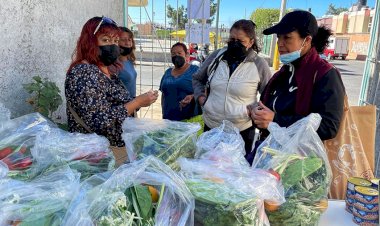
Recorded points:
187,100
147,98
262,116
201,100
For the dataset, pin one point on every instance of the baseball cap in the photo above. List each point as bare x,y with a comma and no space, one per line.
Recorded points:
302,21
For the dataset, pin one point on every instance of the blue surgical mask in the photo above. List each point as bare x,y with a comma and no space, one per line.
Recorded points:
287,58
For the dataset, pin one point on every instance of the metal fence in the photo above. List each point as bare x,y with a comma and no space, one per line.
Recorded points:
153,42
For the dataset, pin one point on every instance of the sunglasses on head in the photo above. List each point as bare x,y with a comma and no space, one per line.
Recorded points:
104,20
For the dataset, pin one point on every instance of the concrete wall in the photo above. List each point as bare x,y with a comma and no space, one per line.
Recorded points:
358,46
38,38
341,24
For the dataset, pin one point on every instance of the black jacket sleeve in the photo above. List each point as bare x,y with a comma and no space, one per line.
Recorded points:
328,101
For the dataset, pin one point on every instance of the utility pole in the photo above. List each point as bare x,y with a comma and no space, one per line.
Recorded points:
217,26
125,12
276,60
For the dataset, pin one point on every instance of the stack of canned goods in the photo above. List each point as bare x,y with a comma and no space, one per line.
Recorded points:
362,200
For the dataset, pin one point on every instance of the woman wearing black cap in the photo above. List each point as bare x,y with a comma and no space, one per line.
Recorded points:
306,83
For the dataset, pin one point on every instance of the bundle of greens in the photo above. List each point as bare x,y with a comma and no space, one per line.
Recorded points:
145,192
164,139
135,207
42,201
217,203
306,181
297,155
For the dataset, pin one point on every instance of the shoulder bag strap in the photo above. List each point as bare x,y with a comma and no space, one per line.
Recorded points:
78,119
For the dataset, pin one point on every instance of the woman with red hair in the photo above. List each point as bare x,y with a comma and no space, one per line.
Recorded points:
97,101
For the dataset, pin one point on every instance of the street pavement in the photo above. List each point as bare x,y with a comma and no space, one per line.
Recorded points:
150,74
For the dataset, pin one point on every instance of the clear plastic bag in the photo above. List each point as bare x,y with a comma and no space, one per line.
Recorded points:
89,154
231,195
17,136
298,156
223,144
5,115
42,201
164,139
109,201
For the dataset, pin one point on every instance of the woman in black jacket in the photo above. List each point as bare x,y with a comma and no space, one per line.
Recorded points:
306,83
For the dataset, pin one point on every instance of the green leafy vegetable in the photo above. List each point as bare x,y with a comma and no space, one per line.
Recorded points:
216,203
299,170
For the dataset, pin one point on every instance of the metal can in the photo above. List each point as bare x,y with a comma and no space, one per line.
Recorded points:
352,183
375,183
357,181
360,221
349,208
365,215
366,195
366,207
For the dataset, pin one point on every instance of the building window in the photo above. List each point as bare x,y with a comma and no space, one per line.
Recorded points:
370,24
347,26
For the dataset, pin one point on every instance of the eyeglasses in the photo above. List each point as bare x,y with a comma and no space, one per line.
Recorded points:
105,20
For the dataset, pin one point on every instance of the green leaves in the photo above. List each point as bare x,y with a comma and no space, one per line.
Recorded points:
141,200
332,10
264,18
45,97
144,200
299,170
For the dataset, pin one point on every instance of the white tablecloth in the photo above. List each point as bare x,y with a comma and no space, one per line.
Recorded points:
336,215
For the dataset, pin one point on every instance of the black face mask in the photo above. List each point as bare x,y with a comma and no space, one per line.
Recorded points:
125,51
108,54
178,61
236,50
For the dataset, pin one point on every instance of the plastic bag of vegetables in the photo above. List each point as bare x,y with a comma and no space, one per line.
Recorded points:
42,201
164,139
297,155
144,192
229,195
89,154
223,144
17,136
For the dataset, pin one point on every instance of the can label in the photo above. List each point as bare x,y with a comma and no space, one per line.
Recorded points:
366,195
366,207
365,215
358,220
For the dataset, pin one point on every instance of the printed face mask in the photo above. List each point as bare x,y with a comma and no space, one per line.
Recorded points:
178,61
108,54
287,58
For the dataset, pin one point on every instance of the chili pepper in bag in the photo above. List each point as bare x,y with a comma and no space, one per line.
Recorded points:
22,164
5,152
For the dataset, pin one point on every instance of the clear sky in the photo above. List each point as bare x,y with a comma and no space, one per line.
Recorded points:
232,10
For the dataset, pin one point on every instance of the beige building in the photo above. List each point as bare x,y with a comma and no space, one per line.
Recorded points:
356,25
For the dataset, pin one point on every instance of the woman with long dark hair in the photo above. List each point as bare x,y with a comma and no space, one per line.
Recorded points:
97,101
229,80
127,58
